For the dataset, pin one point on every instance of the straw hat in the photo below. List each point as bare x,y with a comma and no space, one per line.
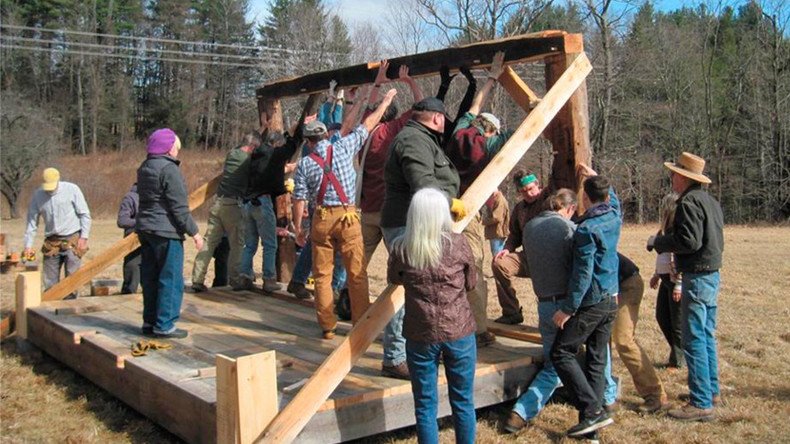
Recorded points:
689,165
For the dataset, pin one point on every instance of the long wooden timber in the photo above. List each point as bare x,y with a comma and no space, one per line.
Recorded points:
289,422
178,388
518,49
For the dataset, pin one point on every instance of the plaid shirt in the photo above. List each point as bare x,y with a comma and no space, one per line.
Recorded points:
308,175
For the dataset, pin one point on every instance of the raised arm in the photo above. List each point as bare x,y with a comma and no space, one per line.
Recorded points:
381,78
373,119
403,76
493,74
351,116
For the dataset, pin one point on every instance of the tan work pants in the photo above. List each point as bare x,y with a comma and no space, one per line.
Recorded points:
634,357
225,216
478,297
329,234
505,269
371,234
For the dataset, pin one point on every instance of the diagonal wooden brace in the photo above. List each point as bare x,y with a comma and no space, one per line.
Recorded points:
285,427
521,93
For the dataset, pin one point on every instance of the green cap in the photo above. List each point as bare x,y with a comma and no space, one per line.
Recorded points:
526,180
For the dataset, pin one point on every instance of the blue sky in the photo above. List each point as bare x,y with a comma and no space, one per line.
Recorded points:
355,11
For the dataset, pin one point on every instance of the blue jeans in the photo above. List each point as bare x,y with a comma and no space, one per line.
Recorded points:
460,357
260,223
162,278
393,341
531,402
304,265
699,302
497,245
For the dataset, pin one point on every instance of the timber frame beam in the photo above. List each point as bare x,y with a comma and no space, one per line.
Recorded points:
518,49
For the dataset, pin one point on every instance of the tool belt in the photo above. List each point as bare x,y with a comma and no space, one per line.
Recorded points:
54,245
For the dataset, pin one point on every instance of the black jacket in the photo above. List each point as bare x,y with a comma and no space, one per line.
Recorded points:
164,206
697,237
267,168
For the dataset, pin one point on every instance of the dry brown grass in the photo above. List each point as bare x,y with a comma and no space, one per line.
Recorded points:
44,401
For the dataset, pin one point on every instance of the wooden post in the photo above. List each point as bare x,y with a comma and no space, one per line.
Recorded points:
28,295
246,396
569,133
285,427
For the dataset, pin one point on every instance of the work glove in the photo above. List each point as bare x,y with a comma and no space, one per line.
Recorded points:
289,185
458,209
350,217
140,348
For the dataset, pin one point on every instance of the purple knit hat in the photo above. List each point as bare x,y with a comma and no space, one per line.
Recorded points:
161,140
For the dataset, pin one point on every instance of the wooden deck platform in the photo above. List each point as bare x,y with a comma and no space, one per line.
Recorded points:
177,387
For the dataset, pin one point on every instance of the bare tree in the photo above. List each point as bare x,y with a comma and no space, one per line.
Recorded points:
27,137
468,21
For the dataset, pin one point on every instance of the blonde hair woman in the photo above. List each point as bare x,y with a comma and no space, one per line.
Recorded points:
436,268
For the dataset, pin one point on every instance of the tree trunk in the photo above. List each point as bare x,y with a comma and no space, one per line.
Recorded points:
80,107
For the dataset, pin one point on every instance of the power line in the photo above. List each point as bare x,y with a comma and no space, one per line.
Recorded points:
130,57
179,42
128,48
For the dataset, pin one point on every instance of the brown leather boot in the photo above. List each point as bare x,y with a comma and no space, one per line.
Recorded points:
653,404
400,371
690,413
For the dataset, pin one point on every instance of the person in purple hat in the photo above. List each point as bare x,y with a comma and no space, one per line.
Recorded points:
163,220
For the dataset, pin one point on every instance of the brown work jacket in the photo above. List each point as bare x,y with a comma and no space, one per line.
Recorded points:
497,218
437,309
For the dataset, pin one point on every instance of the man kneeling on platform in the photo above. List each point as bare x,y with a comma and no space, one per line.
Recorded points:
327,177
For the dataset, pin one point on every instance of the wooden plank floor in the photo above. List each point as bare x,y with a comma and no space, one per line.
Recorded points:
177,387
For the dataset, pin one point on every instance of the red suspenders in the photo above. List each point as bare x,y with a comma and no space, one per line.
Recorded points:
328,177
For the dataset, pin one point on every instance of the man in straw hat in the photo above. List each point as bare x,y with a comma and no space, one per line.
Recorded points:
697,241
67,225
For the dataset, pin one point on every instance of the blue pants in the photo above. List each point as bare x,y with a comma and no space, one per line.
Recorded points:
260,223
497,245
393,341
460,357
162,278
699,302
304,264
531,402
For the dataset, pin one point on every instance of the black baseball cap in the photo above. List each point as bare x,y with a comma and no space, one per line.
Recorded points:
429,104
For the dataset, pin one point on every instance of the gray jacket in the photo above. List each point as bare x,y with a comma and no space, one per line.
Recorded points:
548,247
128,211
164,207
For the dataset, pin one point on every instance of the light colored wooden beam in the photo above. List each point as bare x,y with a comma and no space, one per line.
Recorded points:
521,93
227,401
518,332
118,250
246,396
285,427
28,295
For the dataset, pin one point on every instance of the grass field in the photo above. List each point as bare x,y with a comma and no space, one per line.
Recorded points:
44,401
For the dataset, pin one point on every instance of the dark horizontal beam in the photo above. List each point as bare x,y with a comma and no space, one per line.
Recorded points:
523,48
